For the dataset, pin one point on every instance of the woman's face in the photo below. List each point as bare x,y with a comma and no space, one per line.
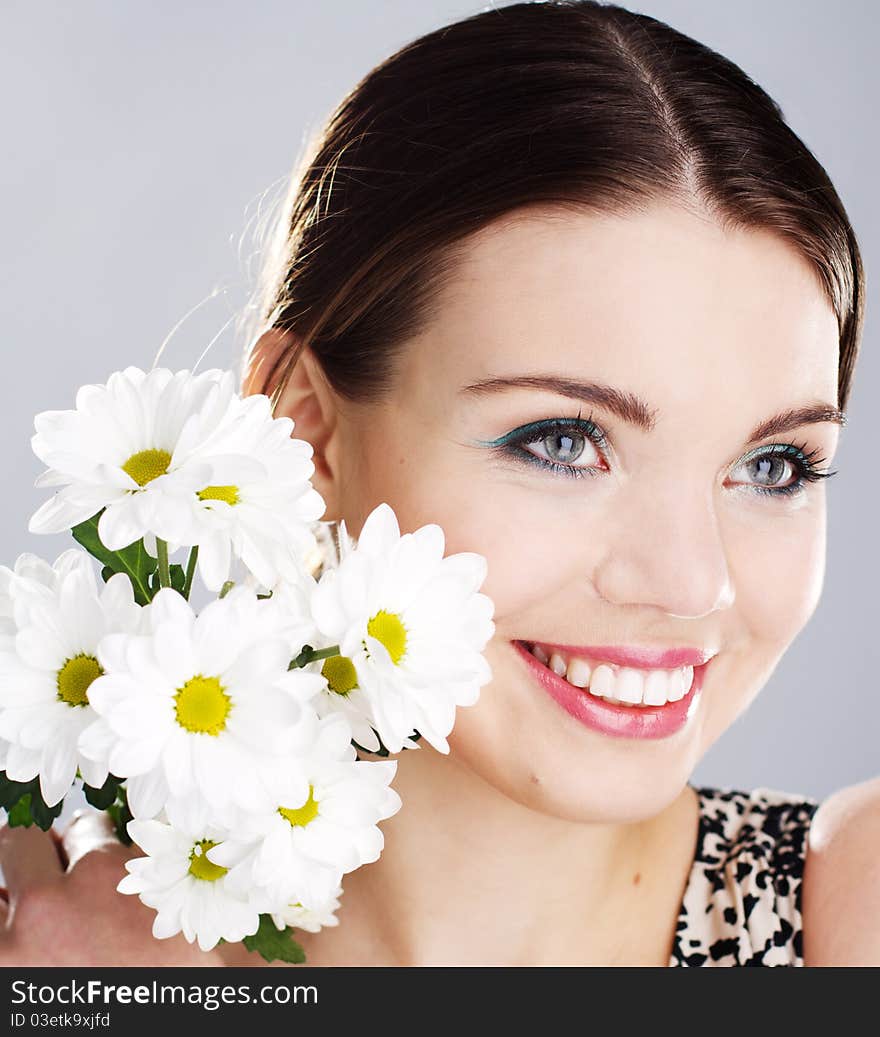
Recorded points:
599,530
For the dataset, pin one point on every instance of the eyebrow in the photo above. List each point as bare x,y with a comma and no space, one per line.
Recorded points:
634,411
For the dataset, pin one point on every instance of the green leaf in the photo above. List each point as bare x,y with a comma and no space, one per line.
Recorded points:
120,815
135,560
105,796
42,814
20,816
178,577
107,572
25,805
11,791
275,944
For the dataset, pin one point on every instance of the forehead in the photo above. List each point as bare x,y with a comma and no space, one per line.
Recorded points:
664,293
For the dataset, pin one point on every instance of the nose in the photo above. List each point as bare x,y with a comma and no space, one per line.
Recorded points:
663,548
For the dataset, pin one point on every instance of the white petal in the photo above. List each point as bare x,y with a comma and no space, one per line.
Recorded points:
93,773
96,741
22,764
58,769
58,514
165,925
131,758
118,526
170,607
379,532
147,794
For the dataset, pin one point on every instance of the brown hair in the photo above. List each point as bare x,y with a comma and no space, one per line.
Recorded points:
567,103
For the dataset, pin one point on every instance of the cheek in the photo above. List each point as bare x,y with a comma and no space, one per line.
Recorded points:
778,573
779,579
525,564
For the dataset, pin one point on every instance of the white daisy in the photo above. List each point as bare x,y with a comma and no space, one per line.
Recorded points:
128,448
200,704
291,606
312,921
189,893
261,511
296,849
341,694
50,661
411,628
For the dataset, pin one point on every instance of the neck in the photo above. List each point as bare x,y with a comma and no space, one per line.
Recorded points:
469,876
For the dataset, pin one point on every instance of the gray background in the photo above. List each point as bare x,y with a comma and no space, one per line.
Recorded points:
145,145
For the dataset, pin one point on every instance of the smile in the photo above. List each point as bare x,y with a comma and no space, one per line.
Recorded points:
622,685
634,701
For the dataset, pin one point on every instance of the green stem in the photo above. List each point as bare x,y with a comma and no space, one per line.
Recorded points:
164,571
310,655
190,570
226,588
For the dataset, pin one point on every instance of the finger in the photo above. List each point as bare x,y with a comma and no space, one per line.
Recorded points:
28,858
88,830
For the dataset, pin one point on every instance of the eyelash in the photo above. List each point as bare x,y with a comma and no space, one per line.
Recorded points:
513,443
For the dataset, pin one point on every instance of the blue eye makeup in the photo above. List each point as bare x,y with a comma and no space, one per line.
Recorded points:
559,442
770,459
555,445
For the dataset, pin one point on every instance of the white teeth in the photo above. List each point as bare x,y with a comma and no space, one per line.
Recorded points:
578,673
621,685
656,688
557,664
680,683
629,685
602,682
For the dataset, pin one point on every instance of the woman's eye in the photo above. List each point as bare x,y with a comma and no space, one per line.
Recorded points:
769,471
563,447
555,445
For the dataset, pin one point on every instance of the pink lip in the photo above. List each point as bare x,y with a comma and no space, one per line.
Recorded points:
647,658
605,717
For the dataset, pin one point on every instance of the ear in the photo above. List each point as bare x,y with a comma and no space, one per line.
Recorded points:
263,365
306,397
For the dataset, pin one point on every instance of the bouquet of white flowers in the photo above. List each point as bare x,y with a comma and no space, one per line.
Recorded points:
223,742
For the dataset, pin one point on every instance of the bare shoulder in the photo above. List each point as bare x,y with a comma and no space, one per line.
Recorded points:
841,882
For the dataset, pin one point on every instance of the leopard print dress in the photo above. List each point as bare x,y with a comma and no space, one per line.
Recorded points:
742,902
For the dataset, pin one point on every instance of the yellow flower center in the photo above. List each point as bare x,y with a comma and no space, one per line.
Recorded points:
201,705
224,493
74,679
301,815
340,674
147,465
201,867
388,628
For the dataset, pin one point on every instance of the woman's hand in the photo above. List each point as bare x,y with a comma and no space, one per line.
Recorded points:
63,907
